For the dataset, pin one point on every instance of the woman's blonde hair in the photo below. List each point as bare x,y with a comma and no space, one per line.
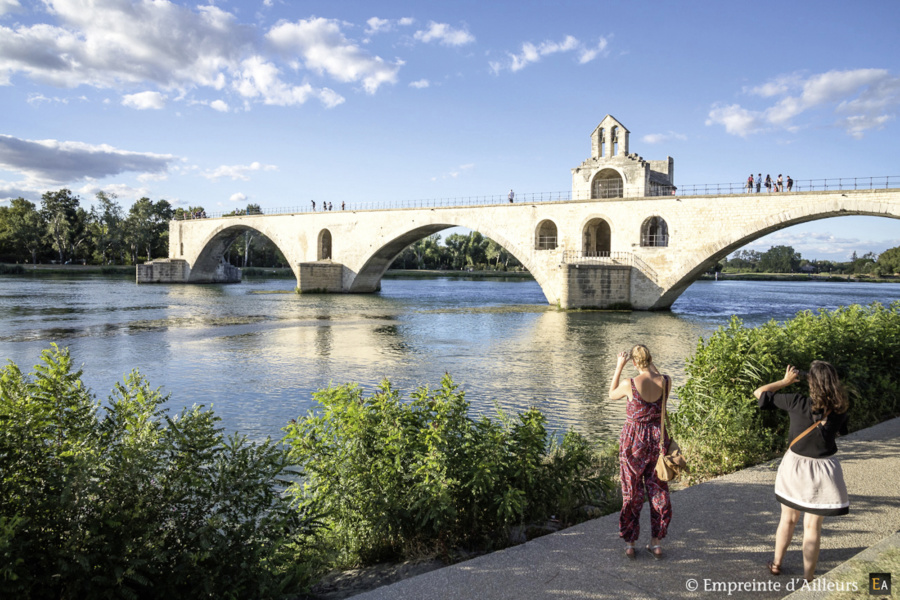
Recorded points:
640,354
825,389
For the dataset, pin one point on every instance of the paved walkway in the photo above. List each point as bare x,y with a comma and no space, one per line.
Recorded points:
722,532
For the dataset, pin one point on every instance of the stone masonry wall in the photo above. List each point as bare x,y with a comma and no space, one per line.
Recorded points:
162,270
322,276
595,286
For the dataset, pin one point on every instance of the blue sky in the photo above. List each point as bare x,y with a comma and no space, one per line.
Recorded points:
277,102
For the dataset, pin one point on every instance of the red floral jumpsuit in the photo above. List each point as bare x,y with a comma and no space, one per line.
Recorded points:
638,452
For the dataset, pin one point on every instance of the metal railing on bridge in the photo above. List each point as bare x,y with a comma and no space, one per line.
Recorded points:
705,189
625,259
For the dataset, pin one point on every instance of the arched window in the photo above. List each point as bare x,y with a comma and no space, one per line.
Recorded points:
323,249
602,138
654,232
615,141
607,184
545,239
597,238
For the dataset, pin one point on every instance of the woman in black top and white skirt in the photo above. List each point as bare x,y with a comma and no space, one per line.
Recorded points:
810,479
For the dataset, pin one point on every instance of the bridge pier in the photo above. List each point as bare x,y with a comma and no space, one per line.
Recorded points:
322,276
595,286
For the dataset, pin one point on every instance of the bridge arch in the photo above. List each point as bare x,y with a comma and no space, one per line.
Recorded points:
213,247
695,263
368,276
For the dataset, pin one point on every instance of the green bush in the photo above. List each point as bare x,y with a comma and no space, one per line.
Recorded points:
121,500
404,479
718,423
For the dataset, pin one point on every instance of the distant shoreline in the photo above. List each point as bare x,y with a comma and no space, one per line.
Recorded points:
287,273
825,277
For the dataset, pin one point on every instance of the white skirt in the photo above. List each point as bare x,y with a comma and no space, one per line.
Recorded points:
813,485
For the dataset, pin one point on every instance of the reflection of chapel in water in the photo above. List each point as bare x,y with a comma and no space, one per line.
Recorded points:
612,172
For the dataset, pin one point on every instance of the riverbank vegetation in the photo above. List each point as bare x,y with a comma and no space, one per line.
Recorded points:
120,499
718,423
784,259
394,479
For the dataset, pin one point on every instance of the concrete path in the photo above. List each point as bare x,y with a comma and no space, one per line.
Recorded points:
722,534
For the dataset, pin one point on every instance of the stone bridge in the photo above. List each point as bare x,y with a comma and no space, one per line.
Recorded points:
639,251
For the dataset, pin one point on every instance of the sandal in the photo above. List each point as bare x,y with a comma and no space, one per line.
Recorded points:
773,568
656,551
630,553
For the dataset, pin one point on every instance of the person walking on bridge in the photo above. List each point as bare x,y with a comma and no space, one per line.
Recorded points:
512,196
810,480
758,182
639,447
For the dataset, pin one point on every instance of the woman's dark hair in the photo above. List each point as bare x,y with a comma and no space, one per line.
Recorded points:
825,389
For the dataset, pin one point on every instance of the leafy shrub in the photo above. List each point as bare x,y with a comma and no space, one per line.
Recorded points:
124,501
718,422
394,478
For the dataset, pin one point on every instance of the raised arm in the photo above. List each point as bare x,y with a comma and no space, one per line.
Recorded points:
617,390
791,375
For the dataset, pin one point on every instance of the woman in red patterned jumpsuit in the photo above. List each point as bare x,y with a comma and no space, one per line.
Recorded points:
639,449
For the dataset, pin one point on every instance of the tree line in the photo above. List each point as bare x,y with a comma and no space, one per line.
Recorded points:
784,259
457,252
60,230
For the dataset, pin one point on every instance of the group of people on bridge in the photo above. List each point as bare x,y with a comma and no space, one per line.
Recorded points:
327,205
771,185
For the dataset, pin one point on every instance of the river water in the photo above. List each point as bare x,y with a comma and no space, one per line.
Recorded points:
256,352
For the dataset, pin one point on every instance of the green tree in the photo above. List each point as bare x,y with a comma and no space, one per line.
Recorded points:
59,211
889,260
147,228
23,229
779,259
107,231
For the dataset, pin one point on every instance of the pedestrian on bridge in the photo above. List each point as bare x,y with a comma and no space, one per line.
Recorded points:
512,196
790,183
768,183
639,447
750,184
810,480
758,182
313,205
779,184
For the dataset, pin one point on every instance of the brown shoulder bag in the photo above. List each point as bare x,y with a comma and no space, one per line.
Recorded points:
671,463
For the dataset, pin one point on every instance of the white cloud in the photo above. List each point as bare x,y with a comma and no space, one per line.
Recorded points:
325,50
145,100
863,99
54,162
238,197
9,6
147,44
376,25
532,53
421,83
736,120
659,138
444,34
219,105
236,172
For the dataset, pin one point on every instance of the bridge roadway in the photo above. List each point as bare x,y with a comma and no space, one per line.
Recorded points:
349,251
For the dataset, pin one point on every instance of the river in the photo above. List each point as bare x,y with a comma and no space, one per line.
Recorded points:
256,352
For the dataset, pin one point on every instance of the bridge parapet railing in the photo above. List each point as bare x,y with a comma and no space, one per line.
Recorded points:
704,189
627,259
